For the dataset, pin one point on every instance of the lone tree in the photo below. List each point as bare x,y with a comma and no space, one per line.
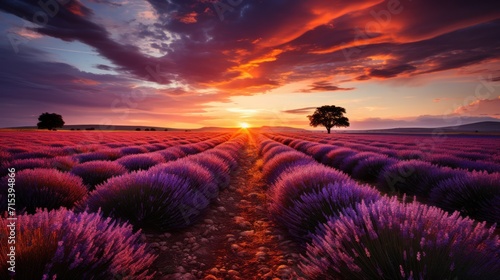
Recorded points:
50,121
329,116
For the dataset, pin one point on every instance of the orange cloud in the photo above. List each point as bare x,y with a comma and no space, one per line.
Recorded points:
481,107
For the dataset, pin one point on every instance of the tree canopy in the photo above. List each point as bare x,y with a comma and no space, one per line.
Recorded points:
329,116
50,121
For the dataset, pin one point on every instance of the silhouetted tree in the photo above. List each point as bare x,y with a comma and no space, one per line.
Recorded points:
138,129
49,121
329,116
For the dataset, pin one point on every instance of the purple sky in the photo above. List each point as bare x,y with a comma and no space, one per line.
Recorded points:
393,63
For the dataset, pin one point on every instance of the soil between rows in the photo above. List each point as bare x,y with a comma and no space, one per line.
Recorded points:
235,239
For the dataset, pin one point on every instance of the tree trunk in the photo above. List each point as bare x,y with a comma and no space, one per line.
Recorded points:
328,129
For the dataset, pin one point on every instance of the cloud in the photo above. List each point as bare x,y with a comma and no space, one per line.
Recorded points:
393,71
260,46
483,107
103,67
299,111
72,22
32,84
323,86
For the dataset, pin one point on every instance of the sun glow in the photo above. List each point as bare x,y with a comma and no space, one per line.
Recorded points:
244,125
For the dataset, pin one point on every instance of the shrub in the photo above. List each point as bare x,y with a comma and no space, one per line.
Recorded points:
274,151
21,164
295,143
304,145
413,177
4,155
132,150
489,167
44,188
303,179
337,156
66,245
140,161
410,154
320,204
472,156
63,163
17,150
107,154
227,156
31,155
350,162
218,168
369,169
392,240
281,162
172,153
266,145
148,200
115,145
151,148
191,149
446,160
475,194
319,152
96,172
197,176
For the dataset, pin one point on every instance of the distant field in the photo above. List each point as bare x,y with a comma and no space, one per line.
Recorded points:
250,204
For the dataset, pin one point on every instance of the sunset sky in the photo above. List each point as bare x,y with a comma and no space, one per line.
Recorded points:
189,64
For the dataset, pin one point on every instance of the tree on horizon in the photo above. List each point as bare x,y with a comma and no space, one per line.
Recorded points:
50,121
329,116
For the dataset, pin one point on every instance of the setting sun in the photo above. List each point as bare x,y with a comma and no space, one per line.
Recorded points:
244,125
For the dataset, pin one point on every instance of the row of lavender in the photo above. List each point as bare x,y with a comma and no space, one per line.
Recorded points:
471,153
100,238
475,194
349,231
49,188
48,152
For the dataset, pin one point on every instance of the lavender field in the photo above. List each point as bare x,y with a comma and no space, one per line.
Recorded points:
249,204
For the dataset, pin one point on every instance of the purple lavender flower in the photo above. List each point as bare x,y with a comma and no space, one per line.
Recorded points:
303,179
317,205
413,177
133,150
337,156
66,245
282,162
44,188
475,194
370,168
141,161
393,240
350,162
198,177
96,172
148,200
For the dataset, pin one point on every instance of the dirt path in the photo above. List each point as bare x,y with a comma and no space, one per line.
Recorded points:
234,240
